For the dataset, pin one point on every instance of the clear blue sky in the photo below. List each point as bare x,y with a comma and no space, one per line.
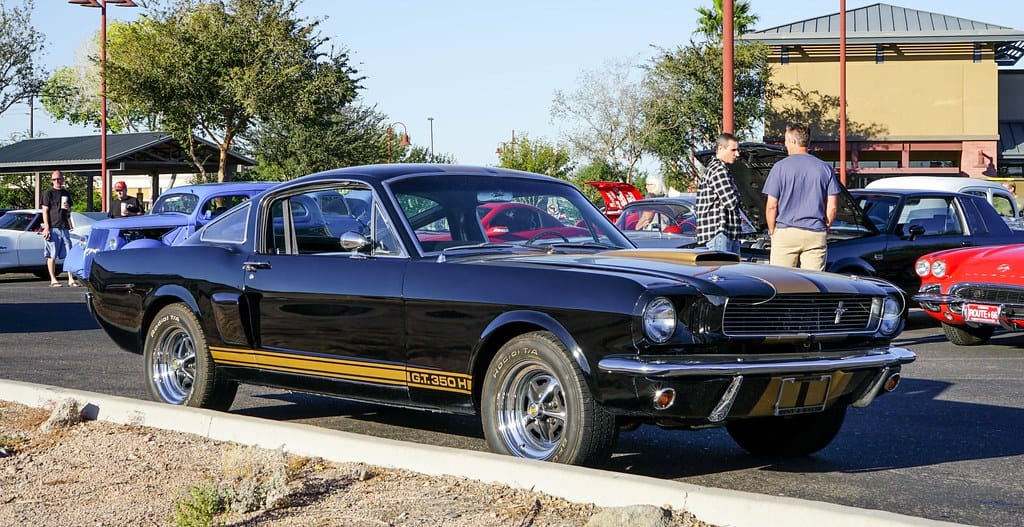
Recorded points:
480,69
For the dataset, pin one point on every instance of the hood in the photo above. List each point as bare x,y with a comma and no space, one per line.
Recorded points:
712,272
145,221
615,195
750,172
996,264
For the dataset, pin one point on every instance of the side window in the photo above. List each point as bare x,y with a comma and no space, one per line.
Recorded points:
937,216
231,228
383,238
1002,205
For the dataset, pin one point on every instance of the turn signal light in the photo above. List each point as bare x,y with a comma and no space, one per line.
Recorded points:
664,398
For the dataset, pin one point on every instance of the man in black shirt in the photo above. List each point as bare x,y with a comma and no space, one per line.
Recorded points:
126,205
57,225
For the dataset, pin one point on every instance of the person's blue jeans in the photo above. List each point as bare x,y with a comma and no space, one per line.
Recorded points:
721,242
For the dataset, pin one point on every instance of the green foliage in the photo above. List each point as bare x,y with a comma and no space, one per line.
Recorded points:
199,505
20,47
288,148
18,190
220,69
685,110
537,156
710,22
421,154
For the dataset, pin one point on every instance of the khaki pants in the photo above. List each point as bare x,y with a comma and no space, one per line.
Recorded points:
791,246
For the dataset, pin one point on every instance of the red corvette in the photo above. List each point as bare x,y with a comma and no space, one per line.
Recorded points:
518,221
973,291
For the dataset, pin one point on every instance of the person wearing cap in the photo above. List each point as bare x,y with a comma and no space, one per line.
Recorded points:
126,205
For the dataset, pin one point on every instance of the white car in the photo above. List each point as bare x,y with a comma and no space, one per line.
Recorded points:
997,195
21,239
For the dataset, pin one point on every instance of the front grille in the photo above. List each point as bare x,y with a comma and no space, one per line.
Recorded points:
785,315
990,293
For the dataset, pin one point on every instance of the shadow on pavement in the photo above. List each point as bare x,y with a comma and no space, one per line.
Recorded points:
45,317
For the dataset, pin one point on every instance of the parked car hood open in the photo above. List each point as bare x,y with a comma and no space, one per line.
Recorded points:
750,172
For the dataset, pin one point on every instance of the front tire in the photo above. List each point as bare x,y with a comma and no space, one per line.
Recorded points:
967,336
788,436
536,404
179,368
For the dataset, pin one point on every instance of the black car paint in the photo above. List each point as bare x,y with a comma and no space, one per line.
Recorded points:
421,330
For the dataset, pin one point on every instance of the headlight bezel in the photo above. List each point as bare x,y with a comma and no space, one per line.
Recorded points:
939,268
891,319
923,267
660,319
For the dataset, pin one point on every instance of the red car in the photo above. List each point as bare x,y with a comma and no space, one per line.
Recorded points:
512,221
616,196
973,291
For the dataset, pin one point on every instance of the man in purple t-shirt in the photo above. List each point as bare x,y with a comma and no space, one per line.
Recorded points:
801,205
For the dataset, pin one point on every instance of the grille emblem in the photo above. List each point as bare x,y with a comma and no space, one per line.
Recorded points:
840,309
1003,268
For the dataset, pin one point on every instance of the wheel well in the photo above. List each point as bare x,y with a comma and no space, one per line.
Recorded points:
154,308
489,347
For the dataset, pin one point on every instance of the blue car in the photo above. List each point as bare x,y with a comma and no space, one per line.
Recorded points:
174,216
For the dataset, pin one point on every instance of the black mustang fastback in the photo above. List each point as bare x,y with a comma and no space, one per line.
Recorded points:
557,334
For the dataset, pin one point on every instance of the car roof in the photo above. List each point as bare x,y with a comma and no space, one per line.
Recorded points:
948,183
903,191
212,188
667,200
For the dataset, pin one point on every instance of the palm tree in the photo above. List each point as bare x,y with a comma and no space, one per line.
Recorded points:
710,22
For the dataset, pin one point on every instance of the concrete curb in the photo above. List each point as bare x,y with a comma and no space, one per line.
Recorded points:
583,485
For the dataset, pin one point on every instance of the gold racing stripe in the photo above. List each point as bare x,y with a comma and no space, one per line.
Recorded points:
364,371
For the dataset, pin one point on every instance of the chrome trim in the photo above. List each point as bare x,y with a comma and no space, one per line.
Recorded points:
693,367
876,386
721,409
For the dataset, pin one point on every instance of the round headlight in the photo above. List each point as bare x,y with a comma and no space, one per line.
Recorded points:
922,267
938,268
659,319
892,316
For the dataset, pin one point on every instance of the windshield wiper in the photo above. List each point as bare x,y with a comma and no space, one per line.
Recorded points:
585,245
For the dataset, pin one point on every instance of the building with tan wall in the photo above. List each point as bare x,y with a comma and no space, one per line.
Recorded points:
923,90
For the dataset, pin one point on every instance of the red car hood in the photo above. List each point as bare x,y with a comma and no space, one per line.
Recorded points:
1000,263
616,195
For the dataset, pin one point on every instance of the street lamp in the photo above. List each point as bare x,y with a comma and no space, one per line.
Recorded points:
403,140
431,119
506,144
102,4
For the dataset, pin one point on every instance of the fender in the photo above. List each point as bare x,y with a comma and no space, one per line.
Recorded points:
169,294
859,265
534,318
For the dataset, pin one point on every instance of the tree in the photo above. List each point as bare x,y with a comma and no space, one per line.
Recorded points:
606,116
685,106
537,156
421,154
21,46
216,69
72,93
710,22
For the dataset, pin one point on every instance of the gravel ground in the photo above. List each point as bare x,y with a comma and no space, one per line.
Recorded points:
98,474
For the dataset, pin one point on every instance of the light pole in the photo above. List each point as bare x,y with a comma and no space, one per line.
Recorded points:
403,139
506,144
102,4
431,119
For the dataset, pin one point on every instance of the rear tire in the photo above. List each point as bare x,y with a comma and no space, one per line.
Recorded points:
967,336
788,436
179,368
536,404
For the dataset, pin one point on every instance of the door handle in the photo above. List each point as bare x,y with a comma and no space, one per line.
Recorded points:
252,266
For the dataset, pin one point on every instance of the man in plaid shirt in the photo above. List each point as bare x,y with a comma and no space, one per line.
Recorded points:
718,200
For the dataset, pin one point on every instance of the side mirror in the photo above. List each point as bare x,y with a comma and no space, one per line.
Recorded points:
352,241
915,231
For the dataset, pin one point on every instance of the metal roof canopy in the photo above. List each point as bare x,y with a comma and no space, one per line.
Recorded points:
136,153
889,24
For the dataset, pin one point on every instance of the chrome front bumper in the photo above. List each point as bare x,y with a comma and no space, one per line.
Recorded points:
717,366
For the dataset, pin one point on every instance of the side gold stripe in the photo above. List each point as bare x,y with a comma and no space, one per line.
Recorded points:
389,374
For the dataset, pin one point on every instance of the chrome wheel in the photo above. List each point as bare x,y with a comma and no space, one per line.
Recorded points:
532,411
174,365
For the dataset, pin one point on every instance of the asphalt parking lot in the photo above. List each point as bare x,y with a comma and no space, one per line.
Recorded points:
947,445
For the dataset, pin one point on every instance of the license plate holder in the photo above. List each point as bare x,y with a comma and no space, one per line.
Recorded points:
802,395
981,313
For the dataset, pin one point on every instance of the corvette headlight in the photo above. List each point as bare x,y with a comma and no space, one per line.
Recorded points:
659,319
922,267
892,316
938,268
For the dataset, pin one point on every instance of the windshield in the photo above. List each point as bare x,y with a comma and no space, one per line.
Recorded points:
16,221
471,210
170,202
